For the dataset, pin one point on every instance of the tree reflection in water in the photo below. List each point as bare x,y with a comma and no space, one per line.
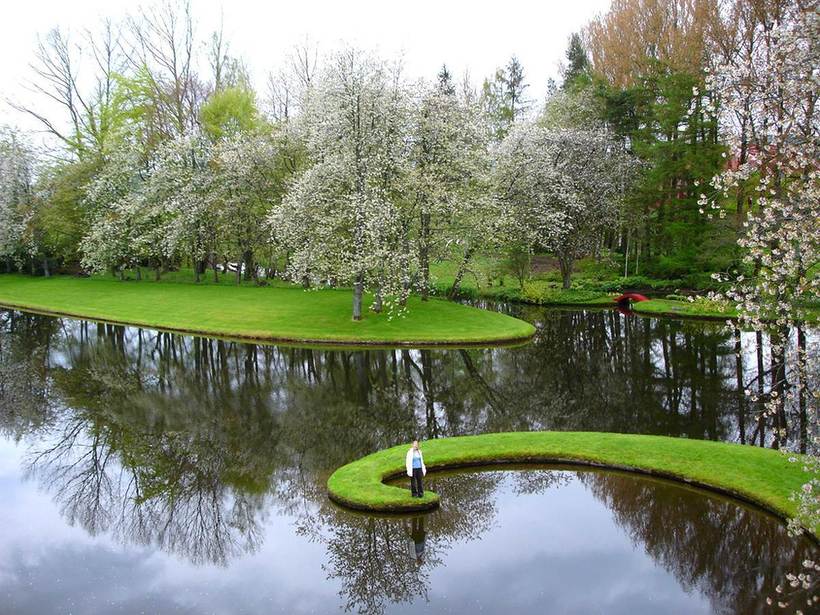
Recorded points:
388,560
186,444
731,553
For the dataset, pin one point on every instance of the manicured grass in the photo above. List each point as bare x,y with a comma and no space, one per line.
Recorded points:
762,476
260,313
693,309
545,289
539,290
701,308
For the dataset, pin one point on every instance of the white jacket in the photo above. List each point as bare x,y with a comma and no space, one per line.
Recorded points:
408,462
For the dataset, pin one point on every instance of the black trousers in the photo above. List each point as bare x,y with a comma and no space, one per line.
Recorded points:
416,486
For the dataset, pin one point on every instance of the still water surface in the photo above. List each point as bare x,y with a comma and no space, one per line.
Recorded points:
149,472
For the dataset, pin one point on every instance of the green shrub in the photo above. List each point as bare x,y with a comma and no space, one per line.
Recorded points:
672,266
533,292
702,280
638,282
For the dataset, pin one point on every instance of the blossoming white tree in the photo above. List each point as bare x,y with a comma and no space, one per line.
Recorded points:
16,164
774,87
449,164
150,213
245,184
178,198
560,188
341,219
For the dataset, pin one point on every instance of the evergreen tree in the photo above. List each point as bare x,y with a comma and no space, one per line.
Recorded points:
445,81
577,70
515,86
503,97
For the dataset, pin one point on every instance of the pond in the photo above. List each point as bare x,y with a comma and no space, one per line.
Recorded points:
152,472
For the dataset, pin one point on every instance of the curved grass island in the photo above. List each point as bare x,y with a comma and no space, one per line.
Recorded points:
266,314
760,476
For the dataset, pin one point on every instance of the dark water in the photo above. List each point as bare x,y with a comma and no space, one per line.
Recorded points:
147,472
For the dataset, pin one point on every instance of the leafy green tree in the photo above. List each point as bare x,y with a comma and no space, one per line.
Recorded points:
60,212
230,111
680,147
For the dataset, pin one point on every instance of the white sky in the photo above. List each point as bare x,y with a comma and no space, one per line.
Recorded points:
477,36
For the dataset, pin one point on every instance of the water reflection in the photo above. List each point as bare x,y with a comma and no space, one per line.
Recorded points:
584,371
389,560
730,555
190,446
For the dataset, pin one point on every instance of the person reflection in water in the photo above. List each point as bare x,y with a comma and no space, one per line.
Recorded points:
418,536
414,463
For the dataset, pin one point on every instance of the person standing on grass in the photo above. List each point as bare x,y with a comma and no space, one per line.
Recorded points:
414,463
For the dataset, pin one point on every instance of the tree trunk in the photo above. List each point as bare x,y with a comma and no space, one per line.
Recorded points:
250,268
626,256
407,280
239,269
358,291
46,271
565,264
741,193
802,390
196,269
462,269
424,256
761,410
777,342
215,268
139,273
158,272
378,302
741,393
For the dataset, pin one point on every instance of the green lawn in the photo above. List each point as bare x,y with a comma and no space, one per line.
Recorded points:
763,476
703,308
592,286
261,313
691,309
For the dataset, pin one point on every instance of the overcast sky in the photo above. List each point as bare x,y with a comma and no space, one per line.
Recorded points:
468,35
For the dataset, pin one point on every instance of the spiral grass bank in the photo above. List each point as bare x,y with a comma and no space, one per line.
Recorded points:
763,477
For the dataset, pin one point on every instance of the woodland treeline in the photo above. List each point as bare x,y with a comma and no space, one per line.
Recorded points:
341,170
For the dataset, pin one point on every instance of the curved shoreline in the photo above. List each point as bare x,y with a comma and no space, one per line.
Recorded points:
270,340
276,315
762,477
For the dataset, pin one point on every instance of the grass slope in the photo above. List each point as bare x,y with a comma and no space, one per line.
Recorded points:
763,476
261,313
705,309
593,285
669,307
